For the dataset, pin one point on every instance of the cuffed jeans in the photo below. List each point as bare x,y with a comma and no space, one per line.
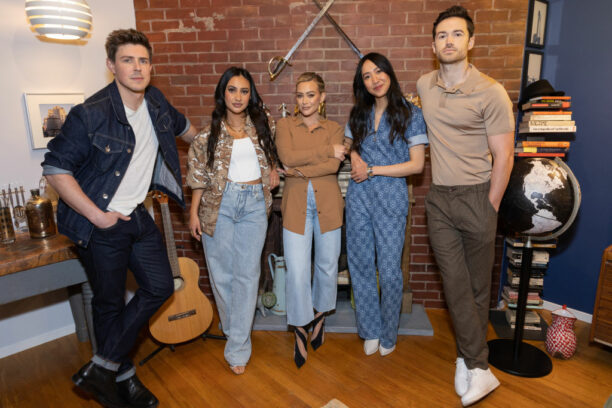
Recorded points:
462,222
301,297
233,256
136,245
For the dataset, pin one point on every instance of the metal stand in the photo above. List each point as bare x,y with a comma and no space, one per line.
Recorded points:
203,336
512,355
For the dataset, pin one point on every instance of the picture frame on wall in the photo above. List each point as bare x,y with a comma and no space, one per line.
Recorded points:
532,67
46,114
536,23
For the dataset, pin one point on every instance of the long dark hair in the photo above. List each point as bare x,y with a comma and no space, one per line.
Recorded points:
255,110
398,110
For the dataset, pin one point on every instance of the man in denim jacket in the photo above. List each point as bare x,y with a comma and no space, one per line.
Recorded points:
111,151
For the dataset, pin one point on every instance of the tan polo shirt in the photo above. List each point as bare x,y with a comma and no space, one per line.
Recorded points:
458,123
310,156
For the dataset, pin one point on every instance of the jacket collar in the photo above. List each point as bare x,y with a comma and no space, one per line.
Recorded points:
298,120
117,103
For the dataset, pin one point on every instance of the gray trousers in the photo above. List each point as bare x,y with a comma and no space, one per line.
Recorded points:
462,223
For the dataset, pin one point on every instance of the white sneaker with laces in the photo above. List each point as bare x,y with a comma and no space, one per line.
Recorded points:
482,382
384,351
370,346
462,377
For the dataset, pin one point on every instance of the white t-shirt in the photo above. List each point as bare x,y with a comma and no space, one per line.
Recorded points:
137,179
244,165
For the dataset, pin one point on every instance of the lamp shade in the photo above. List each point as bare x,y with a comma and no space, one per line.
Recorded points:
59,19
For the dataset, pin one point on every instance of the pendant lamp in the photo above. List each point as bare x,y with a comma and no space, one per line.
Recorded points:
59,19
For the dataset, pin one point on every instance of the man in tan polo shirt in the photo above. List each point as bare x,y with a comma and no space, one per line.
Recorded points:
470,125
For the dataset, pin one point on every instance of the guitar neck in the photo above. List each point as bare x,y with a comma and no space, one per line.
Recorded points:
170,244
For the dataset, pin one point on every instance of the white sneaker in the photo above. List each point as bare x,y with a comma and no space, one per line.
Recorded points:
370,346
384,351
482,382
462,377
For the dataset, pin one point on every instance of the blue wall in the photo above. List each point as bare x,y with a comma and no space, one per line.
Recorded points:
578,60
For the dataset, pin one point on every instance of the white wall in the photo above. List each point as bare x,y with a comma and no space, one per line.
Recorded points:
28,64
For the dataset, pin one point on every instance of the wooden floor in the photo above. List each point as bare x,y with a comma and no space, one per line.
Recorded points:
418,374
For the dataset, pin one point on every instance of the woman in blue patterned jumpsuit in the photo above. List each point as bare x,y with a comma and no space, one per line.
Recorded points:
389,138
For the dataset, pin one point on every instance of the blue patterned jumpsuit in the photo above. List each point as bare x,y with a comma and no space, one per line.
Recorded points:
376,211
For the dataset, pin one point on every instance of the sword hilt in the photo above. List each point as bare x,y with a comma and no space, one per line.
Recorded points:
281,62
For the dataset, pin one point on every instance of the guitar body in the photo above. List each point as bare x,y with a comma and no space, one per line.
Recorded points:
187,314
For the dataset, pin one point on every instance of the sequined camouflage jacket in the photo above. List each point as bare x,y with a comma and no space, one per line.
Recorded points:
213,181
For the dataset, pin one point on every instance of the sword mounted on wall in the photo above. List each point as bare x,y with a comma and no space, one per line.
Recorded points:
278,63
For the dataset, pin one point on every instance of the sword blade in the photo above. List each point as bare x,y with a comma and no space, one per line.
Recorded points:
309,29
340,31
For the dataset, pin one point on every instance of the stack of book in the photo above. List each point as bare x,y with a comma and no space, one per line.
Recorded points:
532,319
546,127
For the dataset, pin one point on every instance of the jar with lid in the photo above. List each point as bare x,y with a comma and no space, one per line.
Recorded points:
39,212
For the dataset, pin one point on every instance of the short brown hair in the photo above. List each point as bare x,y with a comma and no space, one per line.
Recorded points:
455,11
121,37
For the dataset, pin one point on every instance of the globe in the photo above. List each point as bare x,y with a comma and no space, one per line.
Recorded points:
541,200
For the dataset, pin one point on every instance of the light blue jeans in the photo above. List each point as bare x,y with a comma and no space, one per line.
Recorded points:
301,297
233,257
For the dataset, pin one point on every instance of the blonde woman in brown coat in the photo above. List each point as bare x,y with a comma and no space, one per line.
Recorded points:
311,150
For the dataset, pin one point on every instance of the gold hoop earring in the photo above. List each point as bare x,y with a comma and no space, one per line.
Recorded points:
296,110
321,109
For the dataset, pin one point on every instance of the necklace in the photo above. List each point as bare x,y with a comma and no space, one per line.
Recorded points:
239,130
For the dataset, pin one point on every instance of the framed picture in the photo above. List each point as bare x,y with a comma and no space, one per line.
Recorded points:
46,114
536,23
532,69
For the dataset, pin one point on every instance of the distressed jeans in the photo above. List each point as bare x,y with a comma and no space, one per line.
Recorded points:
233,257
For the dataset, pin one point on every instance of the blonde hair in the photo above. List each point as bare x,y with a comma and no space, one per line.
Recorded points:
311,76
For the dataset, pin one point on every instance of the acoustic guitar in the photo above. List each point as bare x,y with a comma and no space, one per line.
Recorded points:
188,313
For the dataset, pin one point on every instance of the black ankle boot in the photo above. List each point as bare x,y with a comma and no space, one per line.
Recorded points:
136,394
100,382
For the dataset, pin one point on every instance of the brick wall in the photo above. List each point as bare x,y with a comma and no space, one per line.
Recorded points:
194,41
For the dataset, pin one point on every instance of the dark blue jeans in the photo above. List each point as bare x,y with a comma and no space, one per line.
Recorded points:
136,245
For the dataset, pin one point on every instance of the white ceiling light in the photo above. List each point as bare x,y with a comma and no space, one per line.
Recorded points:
59,19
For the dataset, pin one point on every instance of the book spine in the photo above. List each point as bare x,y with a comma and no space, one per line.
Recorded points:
527,143
529,149
546,105
554,98
547,129
553,122
527,118
540,154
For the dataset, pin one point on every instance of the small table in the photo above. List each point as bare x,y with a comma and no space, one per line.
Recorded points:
29,267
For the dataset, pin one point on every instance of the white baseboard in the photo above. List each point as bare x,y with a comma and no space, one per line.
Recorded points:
582,316
15,348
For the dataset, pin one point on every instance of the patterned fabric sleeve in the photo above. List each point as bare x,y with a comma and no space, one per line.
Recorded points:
197,176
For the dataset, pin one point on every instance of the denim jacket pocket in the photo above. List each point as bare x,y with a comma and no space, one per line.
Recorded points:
107,151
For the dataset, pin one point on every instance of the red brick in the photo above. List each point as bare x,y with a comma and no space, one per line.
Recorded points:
163,4
492,15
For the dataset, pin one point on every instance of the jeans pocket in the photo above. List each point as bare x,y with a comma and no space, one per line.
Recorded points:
112,227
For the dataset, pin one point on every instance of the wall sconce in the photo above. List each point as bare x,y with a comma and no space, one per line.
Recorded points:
59,19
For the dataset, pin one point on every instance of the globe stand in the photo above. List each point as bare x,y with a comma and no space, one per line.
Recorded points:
513,356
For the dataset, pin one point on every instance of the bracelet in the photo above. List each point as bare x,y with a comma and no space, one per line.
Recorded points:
370,171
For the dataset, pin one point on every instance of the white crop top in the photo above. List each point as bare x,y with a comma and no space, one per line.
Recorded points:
244,165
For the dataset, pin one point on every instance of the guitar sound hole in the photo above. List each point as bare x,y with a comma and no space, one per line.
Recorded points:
178,283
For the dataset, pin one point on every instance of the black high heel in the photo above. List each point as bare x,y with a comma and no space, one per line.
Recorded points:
317,340
297,356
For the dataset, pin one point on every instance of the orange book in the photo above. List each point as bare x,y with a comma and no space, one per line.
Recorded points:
530,143
540,154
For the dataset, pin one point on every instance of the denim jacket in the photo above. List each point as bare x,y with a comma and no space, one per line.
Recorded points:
96,144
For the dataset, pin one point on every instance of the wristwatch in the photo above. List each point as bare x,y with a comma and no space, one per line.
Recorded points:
370,171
